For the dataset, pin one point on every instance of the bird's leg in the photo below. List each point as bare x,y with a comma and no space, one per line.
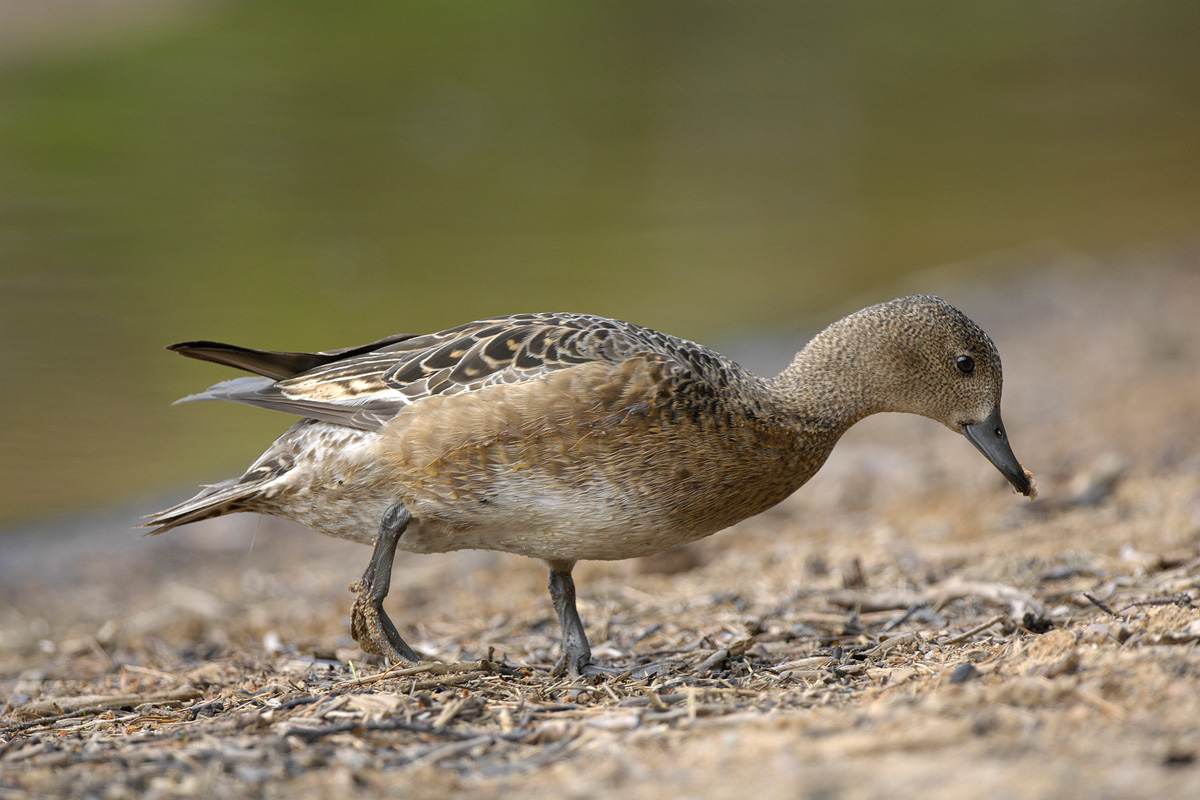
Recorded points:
576,658
369,624
577,654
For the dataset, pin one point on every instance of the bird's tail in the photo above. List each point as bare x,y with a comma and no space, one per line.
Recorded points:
226,497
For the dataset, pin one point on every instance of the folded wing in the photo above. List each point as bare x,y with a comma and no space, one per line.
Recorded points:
364,387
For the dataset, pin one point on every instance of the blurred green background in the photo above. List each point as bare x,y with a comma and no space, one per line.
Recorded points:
308,175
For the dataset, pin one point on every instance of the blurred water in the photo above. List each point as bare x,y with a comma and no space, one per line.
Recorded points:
312,175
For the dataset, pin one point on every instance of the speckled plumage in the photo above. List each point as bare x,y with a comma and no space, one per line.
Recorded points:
567,437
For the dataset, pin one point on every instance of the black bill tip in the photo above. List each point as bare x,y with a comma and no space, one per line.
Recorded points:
990,438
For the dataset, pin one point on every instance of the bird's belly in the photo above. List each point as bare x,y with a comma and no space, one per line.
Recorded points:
575,512
341,490
583,527
554,496
589,524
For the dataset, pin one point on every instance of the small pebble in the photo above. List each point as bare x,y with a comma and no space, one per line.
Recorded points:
964,672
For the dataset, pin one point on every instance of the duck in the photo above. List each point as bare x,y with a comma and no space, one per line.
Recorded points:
568,437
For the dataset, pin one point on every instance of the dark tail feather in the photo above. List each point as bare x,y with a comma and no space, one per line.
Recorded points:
217,500
270,363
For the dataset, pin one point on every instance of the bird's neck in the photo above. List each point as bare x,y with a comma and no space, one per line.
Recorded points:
847,372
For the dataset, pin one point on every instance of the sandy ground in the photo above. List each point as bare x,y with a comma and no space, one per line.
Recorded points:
903,626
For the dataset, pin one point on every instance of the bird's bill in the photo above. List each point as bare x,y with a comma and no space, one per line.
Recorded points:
990,438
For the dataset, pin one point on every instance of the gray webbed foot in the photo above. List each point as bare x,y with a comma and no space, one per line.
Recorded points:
369,624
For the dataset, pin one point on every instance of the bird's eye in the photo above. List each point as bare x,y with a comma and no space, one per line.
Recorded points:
966,365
